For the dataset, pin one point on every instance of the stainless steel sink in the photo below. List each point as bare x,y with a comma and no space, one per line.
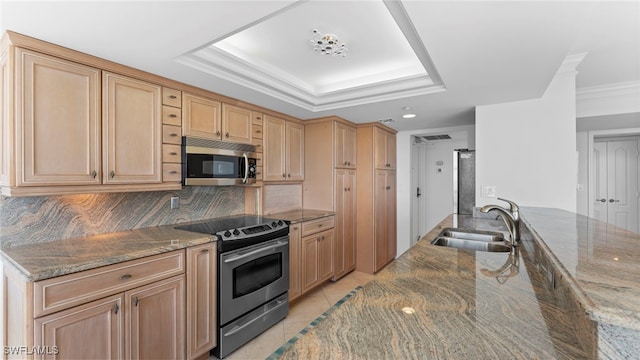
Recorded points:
477,235
475,245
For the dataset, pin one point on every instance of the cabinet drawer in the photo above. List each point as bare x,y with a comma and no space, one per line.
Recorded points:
171,134
171,153
256,132
171,116
314,226
63,292
171,172
171,97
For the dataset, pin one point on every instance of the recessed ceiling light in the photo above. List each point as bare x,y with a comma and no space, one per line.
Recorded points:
406,108
408,310
408,116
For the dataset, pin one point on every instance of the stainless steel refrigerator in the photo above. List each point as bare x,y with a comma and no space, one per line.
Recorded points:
464,181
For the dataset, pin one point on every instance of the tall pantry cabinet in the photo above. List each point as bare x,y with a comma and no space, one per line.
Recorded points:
376,197
330,182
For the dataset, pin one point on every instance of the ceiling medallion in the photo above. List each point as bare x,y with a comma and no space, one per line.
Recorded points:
328,44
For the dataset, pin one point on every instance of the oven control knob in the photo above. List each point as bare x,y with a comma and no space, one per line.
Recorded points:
274,224
280,222
227,233
236,232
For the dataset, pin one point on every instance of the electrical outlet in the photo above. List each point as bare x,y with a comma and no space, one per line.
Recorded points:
489,191
175,202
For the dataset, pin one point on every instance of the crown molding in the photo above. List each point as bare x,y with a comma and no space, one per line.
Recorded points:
608,90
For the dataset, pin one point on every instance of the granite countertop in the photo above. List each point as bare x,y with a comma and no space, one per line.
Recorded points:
600,261
297,216
56,258
467,305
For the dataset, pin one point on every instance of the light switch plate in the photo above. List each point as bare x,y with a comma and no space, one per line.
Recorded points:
489,191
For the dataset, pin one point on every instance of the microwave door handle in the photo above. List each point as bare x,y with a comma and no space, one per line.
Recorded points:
246,168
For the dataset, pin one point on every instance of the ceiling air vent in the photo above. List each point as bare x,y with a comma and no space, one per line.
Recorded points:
436,137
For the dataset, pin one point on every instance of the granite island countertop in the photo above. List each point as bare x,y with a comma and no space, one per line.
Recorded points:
600,261
61,257
466,305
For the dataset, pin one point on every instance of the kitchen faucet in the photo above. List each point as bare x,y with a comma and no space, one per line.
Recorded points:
510,217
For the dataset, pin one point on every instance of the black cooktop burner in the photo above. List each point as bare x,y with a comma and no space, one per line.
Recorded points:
241,230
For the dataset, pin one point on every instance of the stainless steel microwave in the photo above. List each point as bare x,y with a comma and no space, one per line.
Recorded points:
212,162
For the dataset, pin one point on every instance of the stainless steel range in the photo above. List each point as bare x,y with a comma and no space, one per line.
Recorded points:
253,276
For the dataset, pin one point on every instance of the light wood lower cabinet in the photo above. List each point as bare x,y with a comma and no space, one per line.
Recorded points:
149,308
201,299
155,320
91,331
311,251
345,230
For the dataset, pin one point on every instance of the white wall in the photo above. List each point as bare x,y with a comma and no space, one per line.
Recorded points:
527,149
582,194
405,191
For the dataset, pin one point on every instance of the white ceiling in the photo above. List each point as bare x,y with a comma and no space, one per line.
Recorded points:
472,53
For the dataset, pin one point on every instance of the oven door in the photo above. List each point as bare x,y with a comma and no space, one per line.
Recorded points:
251,276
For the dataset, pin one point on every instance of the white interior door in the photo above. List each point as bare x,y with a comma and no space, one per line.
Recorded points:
616,187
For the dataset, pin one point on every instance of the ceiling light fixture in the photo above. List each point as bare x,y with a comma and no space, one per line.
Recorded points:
386,121
408,116
328,44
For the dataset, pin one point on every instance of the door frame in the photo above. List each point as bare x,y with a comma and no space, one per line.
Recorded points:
591,135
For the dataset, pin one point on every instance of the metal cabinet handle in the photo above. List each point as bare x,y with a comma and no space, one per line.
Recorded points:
258,132
94,174
173,134
601,200
611,200
173,116
388,188
289,175
135,301
218,133
173,172
204,251
173,153
226,135
116,308
112,174
172,97
345,163
125,277
284,176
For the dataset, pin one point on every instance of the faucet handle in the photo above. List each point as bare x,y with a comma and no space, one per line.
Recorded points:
514,207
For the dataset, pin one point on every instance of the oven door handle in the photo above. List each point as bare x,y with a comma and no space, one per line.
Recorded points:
256,251
239,328
246,168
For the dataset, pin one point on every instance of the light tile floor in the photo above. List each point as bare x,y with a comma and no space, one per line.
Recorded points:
301,313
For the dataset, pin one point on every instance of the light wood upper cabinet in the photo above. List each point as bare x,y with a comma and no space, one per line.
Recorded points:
236,124
201,117
201,299
345,143
210,119
131,131
384,149
58,137
283,150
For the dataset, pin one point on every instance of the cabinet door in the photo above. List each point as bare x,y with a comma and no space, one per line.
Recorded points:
295,151
390,145
155,320
349,233
201,299
58,140
236,124
390,206
90,331
325,255
380,219
131,131
380,149
309,260
341,195
295,286
350,144
274,149
201,117
340,159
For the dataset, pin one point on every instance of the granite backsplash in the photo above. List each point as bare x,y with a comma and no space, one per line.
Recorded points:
29,220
